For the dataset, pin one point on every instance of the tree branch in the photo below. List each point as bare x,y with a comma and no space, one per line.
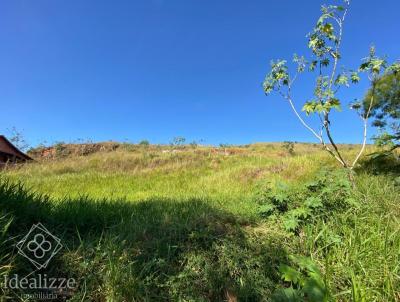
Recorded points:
289,99
319,137
365,119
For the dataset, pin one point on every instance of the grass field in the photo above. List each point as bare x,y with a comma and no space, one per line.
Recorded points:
156,223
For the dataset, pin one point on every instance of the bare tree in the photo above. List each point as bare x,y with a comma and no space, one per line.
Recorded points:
18,139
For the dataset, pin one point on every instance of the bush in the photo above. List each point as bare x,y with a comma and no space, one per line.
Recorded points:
305,280
144,142
289,147
61,149
294,206
178,141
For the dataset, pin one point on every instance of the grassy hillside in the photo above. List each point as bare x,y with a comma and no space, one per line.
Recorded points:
142,172
159,223
227,176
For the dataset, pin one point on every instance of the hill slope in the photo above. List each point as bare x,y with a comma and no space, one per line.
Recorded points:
157,223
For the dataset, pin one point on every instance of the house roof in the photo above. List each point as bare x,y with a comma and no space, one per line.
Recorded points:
7,147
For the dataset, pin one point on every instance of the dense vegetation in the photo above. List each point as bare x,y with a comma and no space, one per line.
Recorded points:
386,109
187,223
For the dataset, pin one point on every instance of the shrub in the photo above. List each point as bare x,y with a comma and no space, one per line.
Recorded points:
61,149
305,280
178,141
144,142
289,147
294,206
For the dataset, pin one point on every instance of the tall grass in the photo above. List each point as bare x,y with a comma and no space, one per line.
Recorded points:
360,248
157,226
157,249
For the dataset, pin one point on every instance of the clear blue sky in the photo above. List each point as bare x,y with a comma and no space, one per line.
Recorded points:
155,69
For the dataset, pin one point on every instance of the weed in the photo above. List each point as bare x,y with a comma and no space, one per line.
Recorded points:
306,282
289,147
297,205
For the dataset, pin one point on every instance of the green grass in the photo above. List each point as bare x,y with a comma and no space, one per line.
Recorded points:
146,225
141,175
361,247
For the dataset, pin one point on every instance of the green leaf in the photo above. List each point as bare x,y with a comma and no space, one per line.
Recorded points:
300,212
394,68
290,223
309,107
267,88
289,274
306,263
319,108
327,28
355,78
315,290
312,65
277,77
377,64
286,295
342,79
364,66
333,103
313,202
267,209
355,105
325,62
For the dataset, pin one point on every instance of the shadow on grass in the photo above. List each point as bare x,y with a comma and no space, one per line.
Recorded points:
386,165
155,250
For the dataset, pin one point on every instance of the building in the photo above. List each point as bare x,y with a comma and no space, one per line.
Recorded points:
9,153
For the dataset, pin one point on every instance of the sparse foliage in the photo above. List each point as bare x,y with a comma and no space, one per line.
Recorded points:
18,139
61,149
324,41
178,141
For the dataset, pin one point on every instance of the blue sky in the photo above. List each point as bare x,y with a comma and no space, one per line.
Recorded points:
156,69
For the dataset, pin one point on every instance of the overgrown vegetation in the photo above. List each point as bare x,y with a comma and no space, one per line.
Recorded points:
386,110
328,193
145,225
17,138
306,279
